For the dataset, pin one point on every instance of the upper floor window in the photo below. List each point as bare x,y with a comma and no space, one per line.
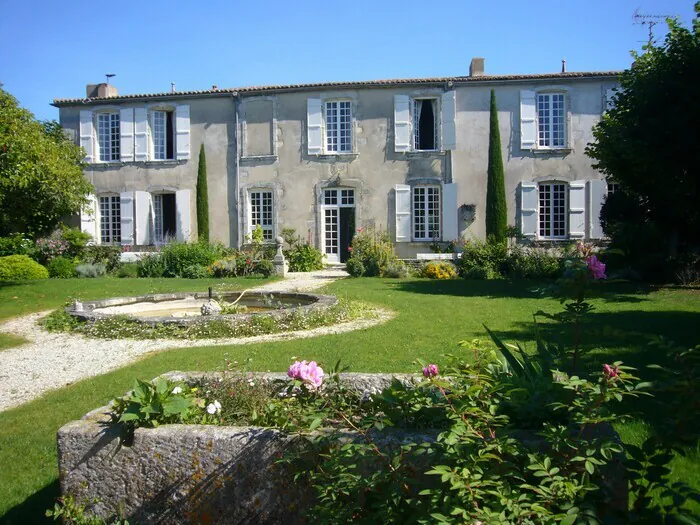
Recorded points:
613,187
552,210
108,136
260,213
110,219
426,213
425,124
551,120
163,130
338,126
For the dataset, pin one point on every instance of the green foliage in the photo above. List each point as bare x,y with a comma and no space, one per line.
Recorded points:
496,208
374,250
301,256
105,254
488,256
531,264
355,267
61,268
76,238
439,270
90,270
60,321
128,270
264,268
202,198
16,244
70,512
240,264
20,268
150,265
41,176
396,270
195,271
641,137
177,256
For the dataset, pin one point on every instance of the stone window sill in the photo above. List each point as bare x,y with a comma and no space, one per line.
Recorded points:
258,157
552,151
426,153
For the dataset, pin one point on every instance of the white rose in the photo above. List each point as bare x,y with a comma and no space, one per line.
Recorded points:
211,408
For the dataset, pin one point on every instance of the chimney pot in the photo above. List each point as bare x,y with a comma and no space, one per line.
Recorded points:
476,68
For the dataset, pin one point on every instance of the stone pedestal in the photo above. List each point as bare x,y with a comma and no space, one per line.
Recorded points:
280,263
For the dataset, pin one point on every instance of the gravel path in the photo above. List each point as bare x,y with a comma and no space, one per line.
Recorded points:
51,361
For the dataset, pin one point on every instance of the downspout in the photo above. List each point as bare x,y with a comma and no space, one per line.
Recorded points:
236,171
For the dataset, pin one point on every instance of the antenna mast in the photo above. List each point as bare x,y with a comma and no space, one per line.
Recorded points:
648,20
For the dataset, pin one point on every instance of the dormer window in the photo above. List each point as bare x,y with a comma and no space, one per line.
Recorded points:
163,128
108,136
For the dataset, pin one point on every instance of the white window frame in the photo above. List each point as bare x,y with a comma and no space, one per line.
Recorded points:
424,209
332,199
110,218
152,111
547,142
415,125
612,187
551,213
256,198
111,150
335,128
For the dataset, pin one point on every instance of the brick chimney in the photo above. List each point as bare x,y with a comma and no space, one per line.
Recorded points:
102,90
476,68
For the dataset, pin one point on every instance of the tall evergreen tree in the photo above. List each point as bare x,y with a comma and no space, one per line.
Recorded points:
202,198
496,209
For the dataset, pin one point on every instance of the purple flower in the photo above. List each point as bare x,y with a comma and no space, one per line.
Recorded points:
431,371
596,267
308,372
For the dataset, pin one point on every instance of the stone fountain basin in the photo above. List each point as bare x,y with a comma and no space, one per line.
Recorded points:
184,307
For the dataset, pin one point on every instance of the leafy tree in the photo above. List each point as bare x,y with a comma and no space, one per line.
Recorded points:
202,198
648,142
496,209
41,174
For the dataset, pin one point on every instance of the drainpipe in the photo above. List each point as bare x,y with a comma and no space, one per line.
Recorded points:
236,172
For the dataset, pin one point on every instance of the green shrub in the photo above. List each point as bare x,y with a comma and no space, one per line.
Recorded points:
20,268
179,255
91,270
355,267
128,270
532,264
483,254
195,271
396,270
150,265
76,238
106,254
304,258
16,244
481,273
374,250
439,270
264,267
61,268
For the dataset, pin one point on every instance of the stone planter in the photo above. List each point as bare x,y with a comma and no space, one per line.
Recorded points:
210,474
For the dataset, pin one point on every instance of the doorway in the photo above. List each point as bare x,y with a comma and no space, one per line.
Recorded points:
338,223
164,220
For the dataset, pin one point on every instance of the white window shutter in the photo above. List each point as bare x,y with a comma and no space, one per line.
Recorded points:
126,132
403,213
144,221
182,131
597,192
450,227
449,115
140,134
88,217
182,215
126,206
609,102
528,209
86,135
402,124
528,119
577,209
314,126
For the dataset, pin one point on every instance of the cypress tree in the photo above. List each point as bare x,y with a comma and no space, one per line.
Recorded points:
496,209
202,198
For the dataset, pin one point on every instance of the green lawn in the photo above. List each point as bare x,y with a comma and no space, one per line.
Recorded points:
431,317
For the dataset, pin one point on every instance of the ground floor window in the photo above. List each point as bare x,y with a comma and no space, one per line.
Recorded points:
110,219
552,210
164,217
260,213
426,213
613,187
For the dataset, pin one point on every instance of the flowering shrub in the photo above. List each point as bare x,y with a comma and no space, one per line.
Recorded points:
310,374
48,248
439,270
301,256
374,250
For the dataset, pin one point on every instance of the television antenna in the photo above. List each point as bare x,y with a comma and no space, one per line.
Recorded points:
110,75
648,20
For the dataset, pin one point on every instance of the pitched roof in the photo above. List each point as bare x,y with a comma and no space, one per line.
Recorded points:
254,90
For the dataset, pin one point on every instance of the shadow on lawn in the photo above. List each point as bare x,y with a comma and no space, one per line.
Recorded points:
33,509
620,292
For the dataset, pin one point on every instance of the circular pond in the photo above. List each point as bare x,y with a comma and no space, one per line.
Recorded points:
187,307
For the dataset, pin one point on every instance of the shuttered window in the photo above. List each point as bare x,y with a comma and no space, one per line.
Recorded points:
338,126
425,121
261,213
108,137
110,219
552,210
163,135
551,120
426,213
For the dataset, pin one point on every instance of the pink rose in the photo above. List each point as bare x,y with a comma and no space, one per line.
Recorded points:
596,267
430,371
308,372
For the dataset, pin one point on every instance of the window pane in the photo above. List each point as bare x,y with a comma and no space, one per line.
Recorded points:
552,210
110,220
543,120
331,228
159,135
158,212
261,213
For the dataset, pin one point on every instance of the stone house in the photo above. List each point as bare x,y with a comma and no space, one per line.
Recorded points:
407,156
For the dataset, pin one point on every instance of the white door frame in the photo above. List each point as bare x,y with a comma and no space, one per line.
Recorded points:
339,198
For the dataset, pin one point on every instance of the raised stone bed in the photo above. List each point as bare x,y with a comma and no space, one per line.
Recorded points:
211,474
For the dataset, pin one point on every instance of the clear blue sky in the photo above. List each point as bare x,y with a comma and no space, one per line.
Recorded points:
52,48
